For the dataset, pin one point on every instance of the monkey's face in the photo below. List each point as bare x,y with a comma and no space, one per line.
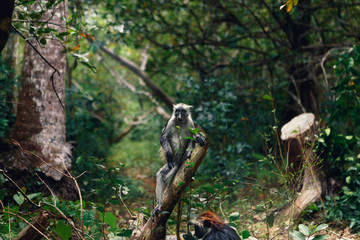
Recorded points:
205,223
181,114
202,228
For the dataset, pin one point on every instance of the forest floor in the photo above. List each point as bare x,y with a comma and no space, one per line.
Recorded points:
258,229
144,177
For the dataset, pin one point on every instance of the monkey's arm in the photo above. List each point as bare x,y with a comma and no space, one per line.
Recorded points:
165,144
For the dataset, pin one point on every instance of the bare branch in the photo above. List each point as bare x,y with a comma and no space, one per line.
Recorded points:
157,91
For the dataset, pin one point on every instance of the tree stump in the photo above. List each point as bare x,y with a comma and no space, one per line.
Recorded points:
157,230
299,137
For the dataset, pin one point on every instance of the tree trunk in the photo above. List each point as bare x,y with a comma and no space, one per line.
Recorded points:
11,60
298,135
40,120
157,230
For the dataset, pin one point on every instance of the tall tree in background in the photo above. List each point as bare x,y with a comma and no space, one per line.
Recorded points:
40,122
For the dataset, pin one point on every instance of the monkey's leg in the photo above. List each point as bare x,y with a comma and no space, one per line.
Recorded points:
160,184
161,177
173,171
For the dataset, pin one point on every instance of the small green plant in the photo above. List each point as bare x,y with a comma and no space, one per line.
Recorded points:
306,233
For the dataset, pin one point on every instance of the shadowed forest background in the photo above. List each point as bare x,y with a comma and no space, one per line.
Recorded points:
81,116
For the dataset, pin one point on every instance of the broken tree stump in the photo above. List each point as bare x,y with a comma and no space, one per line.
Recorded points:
157,230
41,222
299,137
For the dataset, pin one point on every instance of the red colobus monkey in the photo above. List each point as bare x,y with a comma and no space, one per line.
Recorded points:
209,227
177,142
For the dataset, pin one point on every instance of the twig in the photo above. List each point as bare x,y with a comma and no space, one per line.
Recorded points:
52,193
18,188
324,58
30,224
37,156
80,198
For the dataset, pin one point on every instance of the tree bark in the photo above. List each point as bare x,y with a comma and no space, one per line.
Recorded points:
11,60
40,120
157,230
298,135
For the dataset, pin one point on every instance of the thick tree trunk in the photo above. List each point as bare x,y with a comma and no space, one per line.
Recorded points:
11,60
157,230
40,120
298,135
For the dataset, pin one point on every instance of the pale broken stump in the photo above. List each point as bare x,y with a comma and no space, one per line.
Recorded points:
157,230
299,136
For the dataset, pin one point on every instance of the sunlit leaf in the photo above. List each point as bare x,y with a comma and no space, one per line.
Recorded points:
319,228
295,235
267,97
327,131
19,198
304,229
320,237
289,5
234,216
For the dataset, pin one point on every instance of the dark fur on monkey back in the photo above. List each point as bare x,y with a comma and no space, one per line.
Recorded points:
209,227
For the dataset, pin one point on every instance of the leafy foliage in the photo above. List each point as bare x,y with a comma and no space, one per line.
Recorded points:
306,232
340,142
223,57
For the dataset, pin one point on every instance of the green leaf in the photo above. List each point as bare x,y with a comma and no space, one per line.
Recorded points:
267,97
92,68
319,228
88,217
234,216
2,193
190,165
63,230
35,15
270,220
110,219
78,160
125,233
194,130
327,131
348,179
232,225
19,198
33,195
245,234
209,189
349,137
320,237
304,230
295,235
43,41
